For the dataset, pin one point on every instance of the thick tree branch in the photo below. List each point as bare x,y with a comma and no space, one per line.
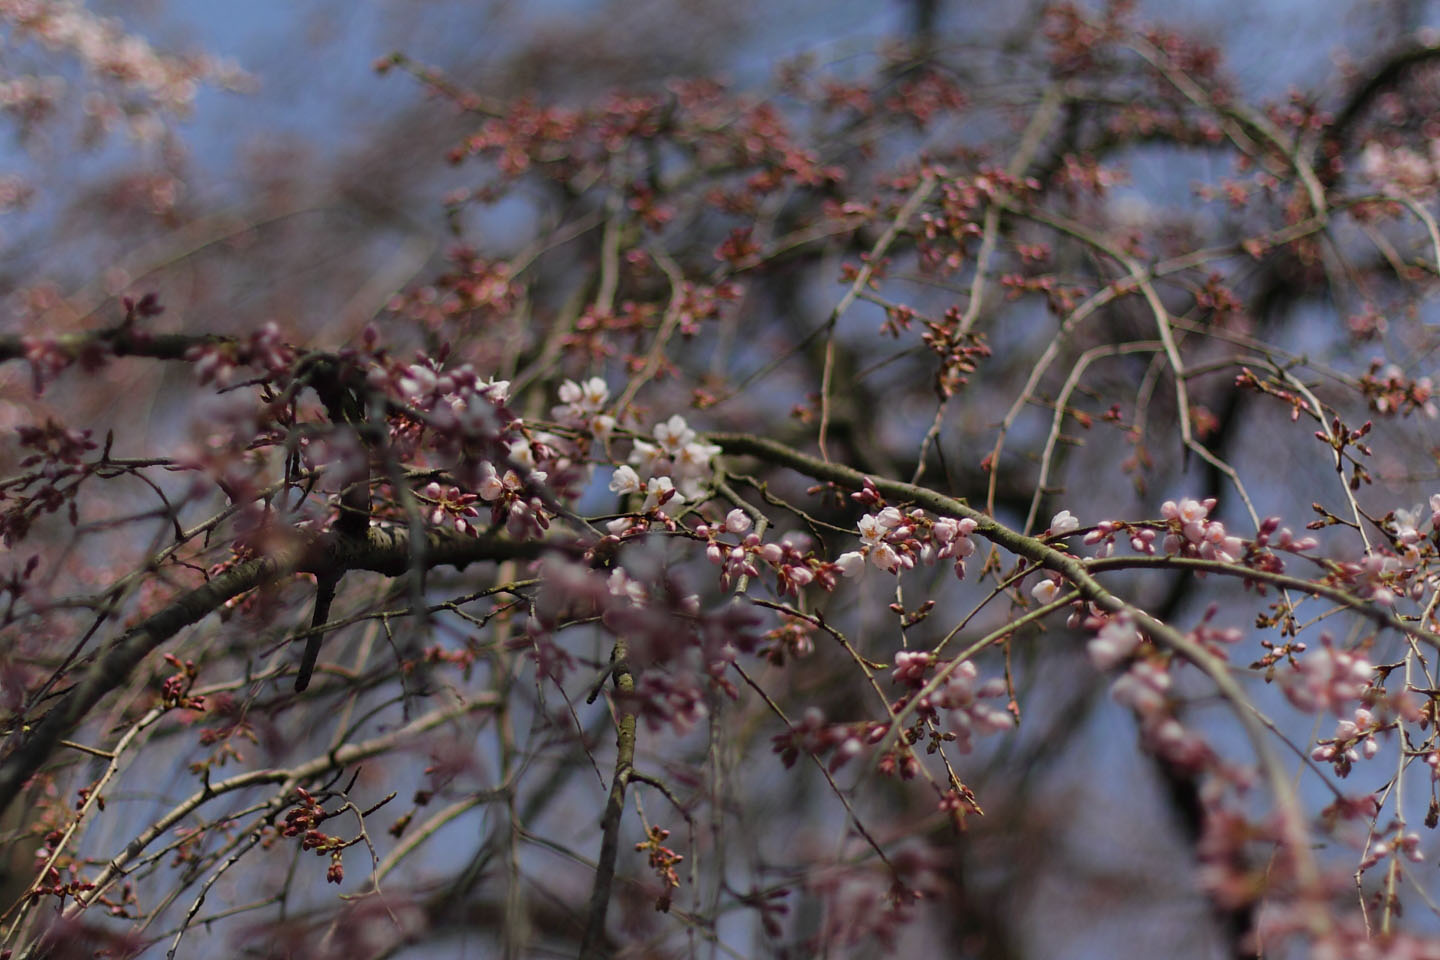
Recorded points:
121,341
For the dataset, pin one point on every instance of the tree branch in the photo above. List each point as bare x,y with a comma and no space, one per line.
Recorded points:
592,947
385,550
1075,571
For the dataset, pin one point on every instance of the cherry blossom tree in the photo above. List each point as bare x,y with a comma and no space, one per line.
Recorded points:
961,498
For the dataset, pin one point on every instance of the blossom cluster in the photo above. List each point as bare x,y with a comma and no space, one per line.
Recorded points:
1390,391
618,278
668,473
456,398
1327,679
676,649
488,449
449,505
582,407
264,349
1353,739
126,58
1142,539
813,735
1194,534
1117,639
473,291
659,493
1385,575
874,905
961,696
895,540
678,454
1145,688
1191,532
1401,171
791,556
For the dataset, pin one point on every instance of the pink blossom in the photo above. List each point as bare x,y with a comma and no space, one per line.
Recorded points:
491,485
1063,523
737,521
660,491
911,666
1143,541
1285,540
673,434
1143,688
625,480
1187,510
1117,639
885,557
889,518
589,396
646,456
1326,678
851,563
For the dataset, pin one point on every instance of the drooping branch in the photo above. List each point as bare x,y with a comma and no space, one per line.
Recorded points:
1074,570
385,550
116,664
344,756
